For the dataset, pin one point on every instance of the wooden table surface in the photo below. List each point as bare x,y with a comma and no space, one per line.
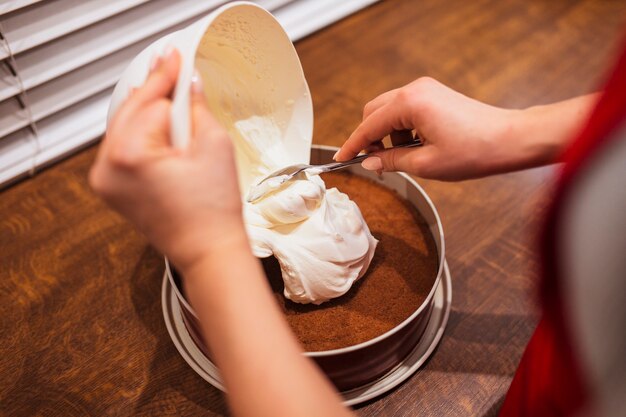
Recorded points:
82,327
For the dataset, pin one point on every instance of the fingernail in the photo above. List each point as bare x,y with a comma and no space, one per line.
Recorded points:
196,83
168,51
335,155
155,61
373,163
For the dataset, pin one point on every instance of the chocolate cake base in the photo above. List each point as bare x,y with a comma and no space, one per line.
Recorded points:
399,279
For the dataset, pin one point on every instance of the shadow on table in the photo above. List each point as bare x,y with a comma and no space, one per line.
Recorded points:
168,371
481,344
490,344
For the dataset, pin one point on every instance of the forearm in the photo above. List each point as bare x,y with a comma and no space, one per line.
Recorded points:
258,355
538,135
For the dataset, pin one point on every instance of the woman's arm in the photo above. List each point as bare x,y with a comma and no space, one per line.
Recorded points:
463,138
188,204
543,132
258,355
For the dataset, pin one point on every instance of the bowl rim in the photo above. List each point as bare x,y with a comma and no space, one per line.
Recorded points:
425,304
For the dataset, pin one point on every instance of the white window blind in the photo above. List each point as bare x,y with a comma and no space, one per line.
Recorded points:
59,61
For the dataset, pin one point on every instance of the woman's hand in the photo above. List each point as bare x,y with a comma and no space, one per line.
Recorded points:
188,204
463,138
187,201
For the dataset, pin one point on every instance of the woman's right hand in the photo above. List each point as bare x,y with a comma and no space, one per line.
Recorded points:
463,138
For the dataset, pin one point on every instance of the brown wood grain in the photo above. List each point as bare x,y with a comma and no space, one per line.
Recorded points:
82,328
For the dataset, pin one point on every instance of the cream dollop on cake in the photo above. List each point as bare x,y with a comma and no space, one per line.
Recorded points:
319,236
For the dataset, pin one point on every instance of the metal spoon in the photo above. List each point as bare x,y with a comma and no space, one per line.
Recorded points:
285,174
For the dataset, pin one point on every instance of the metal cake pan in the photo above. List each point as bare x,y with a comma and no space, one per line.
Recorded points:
356,366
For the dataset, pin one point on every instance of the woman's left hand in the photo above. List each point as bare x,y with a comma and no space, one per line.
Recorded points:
186,201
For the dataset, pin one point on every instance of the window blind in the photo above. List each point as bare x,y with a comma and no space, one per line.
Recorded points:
59,61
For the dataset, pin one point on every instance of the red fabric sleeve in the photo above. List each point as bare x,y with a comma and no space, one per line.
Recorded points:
549,380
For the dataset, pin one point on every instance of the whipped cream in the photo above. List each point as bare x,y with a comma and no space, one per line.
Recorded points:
319,236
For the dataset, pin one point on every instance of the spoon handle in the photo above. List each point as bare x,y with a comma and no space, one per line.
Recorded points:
333,166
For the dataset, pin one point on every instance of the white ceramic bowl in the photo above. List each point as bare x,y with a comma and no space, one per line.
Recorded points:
249,68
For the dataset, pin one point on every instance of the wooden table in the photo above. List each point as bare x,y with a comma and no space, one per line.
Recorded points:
82,328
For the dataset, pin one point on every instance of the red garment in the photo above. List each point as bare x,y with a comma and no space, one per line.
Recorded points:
550,380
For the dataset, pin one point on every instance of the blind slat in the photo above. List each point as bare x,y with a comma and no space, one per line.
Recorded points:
13,117
79,85
27,28
8,81
57,136
273,4
304,17
63,55
17,153
8,6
